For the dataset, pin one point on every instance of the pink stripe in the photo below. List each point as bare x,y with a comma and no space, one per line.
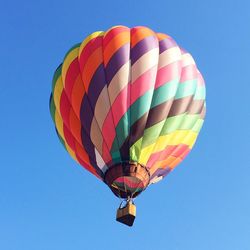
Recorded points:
185,153
169,150
106,155
157,156
121,104
200,81
108,130
168,73
179,150
188,73
119,110
142,84
129,182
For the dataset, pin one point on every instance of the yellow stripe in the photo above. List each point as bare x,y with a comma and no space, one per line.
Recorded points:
71,152
88,38
58,92
59,124
145,154
59,127
67,61
187,137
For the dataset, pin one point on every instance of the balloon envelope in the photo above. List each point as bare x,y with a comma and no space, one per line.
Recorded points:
128,105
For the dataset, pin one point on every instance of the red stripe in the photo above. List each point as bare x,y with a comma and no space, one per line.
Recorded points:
89,48
87,166
65,108
112,33
71,75
69,137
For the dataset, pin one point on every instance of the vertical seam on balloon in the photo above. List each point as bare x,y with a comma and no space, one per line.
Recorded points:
186,112
177,158
95,165
100,153
64,138
186,116
150,103
129,97
109,97
151,99
75,139
168,113
69,127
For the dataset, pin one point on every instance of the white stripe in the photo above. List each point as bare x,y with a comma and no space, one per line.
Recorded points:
100,163
169,56
156,179
146,62
187,59
119,81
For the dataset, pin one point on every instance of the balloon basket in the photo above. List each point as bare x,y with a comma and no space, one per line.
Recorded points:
127,214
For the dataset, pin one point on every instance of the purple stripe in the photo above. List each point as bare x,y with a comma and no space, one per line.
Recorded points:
160,172
166,44
143,47
86,115
89,147
120,57
97,83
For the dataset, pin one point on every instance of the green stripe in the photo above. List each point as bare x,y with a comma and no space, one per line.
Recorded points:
135,150
186,89
140,106
72,48
152,133
61,139
160,95
180,122
165,92
56,75
198,125
52,108
200,93
135,112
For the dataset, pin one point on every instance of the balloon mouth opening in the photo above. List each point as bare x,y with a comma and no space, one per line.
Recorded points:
127,179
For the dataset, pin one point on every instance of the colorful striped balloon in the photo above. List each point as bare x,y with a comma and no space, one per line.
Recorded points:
128,105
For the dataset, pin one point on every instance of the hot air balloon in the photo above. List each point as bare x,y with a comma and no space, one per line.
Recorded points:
128,105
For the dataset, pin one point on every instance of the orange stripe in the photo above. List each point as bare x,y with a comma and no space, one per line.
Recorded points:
93,62
78,92
117,42
161,36
112,32
75,126
174,162
139,33
81,153
162,164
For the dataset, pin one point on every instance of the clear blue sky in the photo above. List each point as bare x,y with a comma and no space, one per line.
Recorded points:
48,202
